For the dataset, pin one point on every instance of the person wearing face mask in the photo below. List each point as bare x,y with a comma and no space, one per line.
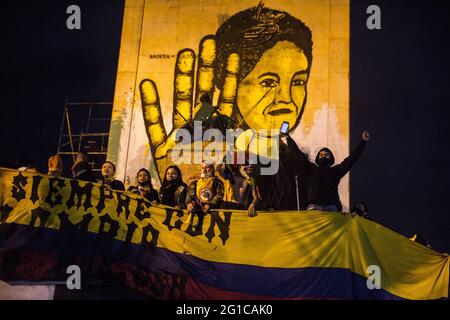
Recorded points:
144,186
323,177
107,179
205,193
173,189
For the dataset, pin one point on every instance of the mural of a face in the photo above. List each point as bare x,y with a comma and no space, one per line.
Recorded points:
251,62
275,90
275,57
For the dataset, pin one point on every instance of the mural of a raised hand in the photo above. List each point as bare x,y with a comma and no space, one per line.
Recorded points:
186,102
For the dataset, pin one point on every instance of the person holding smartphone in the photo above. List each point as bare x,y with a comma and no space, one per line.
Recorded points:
323,176
279,192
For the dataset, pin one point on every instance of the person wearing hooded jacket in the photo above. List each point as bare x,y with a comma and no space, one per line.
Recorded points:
323,176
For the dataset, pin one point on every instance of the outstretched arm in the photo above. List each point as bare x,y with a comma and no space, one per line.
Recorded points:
348,163
302,159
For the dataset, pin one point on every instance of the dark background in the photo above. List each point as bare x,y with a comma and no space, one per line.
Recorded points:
400,92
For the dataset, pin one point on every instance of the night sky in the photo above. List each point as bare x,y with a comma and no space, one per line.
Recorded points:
400,92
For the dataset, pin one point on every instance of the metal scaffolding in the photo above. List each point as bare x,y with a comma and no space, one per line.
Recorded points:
85,127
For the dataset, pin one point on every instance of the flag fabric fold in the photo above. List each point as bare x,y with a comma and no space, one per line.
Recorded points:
48,223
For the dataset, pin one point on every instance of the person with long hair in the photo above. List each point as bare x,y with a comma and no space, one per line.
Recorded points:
144,186
173,189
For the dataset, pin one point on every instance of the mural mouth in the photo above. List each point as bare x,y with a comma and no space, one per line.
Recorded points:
280,111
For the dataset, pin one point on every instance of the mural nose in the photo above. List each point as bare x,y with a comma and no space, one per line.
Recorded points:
283,94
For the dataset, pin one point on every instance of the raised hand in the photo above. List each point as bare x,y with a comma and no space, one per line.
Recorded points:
185,102
366,136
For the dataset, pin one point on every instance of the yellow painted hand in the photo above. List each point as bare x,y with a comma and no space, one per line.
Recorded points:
186,102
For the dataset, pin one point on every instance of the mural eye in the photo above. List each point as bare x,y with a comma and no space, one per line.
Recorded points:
298,82
269,83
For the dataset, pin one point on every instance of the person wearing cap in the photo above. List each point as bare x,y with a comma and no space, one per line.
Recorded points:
205,193
107,179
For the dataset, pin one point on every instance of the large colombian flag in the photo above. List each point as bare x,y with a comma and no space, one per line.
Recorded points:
47,224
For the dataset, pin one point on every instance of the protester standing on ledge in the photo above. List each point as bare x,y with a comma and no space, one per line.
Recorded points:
322,177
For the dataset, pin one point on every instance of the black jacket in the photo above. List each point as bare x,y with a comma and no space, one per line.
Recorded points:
82,171
173,194
113,184
323,182
279,191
